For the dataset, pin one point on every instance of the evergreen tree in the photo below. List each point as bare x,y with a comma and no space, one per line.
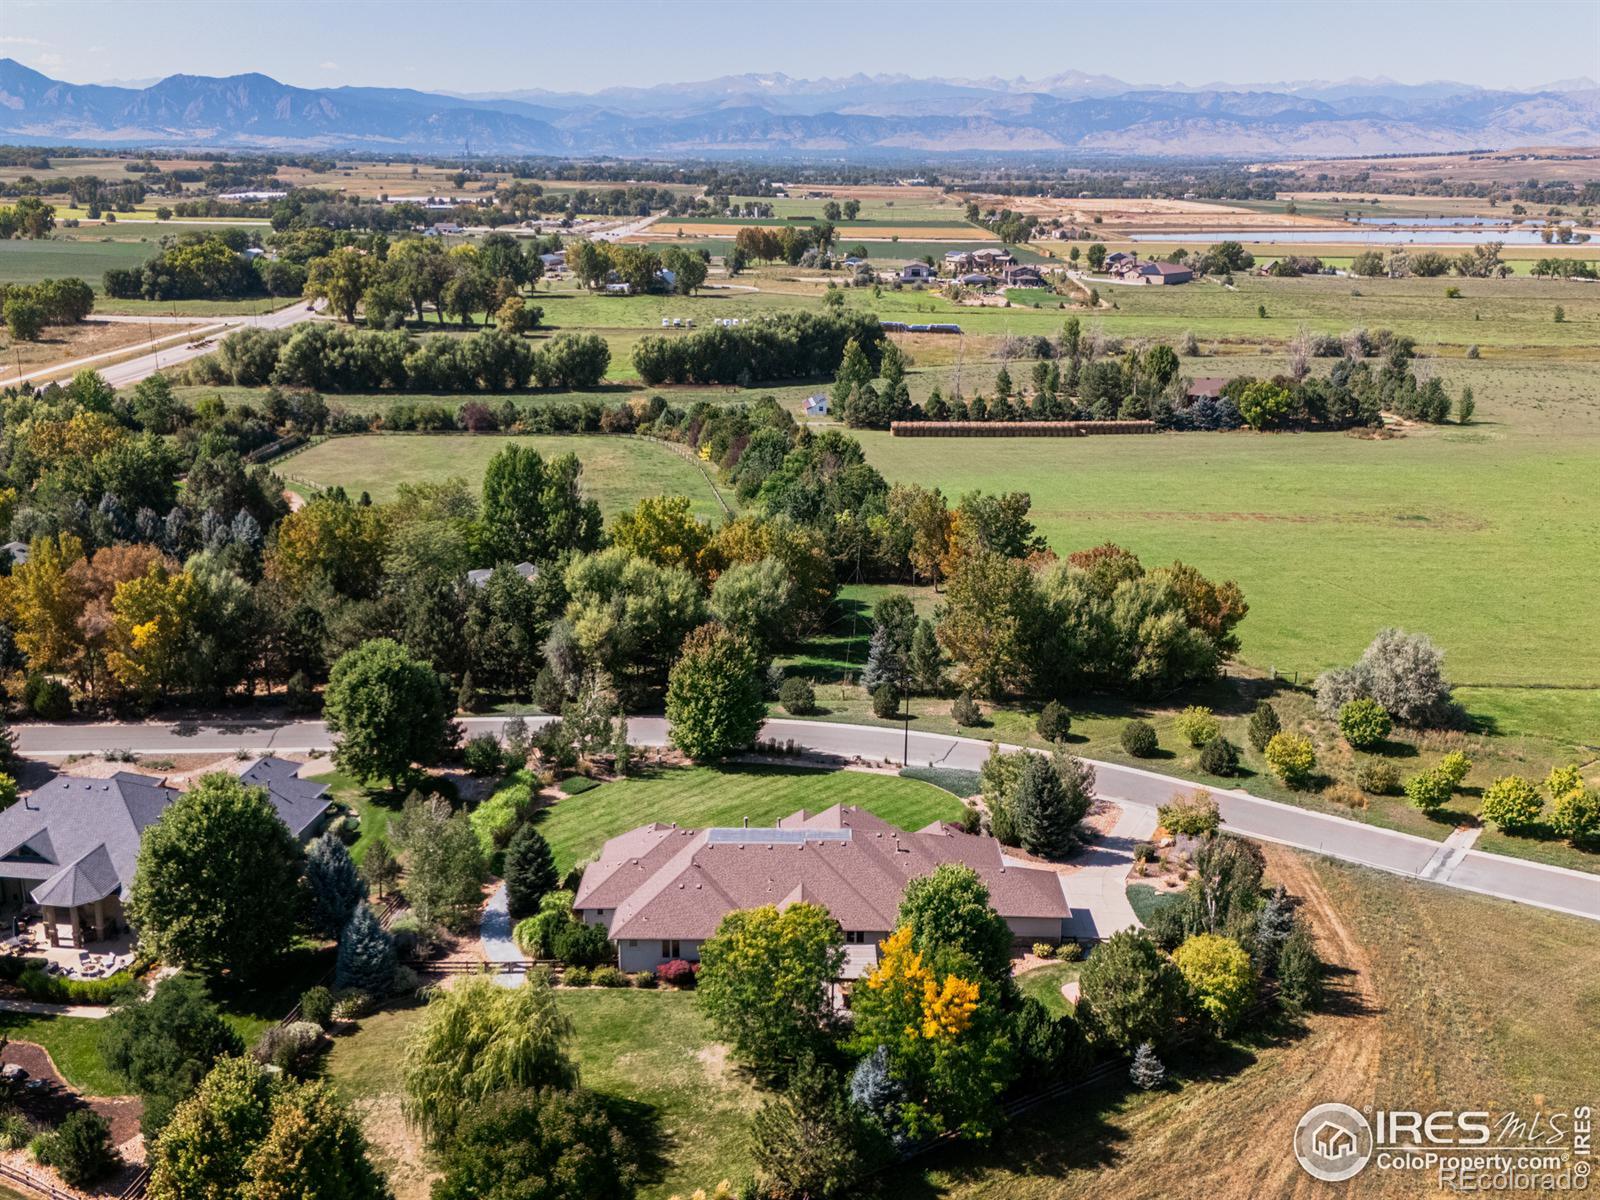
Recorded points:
1044,821
885,662
366,957
1274,924
334,885
530,871
926,662
1147,1072
1264,725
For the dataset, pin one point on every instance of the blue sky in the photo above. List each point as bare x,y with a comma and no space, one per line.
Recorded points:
584,45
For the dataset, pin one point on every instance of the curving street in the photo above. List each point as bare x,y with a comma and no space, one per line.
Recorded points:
1524,882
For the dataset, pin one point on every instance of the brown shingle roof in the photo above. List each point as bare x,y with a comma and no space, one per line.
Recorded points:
666,882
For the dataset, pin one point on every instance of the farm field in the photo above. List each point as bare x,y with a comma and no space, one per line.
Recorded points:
61,343
695,797
618,472
1333,537
1414,1021
23,261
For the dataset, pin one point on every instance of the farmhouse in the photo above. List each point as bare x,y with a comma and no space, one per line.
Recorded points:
1161,273
1023,276
1204,389
916,272
661,890
72,845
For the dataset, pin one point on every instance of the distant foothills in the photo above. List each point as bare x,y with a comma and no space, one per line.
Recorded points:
880,116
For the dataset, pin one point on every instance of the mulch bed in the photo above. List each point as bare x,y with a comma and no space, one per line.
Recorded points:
50,1106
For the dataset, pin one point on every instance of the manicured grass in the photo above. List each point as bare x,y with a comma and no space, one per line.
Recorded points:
74,1046
1044,985
1147,901
951,779
375,806
697,797
681,1103
618,471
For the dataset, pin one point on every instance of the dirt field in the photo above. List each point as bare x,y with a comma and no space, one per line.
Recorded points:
62,343
956,231
1543,163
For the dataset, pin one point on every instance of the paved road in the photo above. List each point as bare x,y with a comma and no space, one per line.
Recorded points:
132,370
1266,820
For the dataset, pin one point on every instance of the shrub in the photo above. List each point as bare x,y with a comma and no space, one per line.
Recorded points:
608,977
1043,950
79,1148
56,990
1069,951
886,701
352,1004
577,942
798,696
1198,725
1364,723
1144,852
1291,758
1299,971
497,818
1054,722
49,699
1194,815
15,1130
575,977
413,938
1576,816
676,973
644,979
1378,777
1429,790
1139,739
1454,767
316,1006
528,934
292,1048
1343,793
1219,757
1511,803
483,755
966,712
1264,726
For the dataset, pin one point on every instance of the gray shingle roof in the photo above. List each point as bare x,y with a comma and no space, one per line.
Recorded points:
92,877
300,802
480,576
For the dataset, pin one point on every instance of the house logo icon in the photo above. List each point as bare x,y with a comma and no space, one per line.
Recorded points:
1333,1142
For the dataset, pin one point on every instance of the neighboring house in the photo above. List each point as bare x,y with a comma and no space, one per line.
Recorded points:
1204,389
554,262
1120,261
917,272
661,890
1162,273
1022,276
977,279
993,258
817,405
72,844
480,577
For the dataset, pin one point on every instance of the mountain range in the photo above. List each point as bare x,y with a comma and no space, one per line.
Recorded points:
1071,114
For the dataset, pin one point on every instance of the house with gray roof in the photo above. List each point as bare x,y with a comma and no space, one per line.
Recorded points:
71,845
661,890
480,576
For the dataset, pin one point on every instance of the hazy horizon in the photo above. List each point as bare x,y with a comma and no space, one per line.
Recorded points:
506,47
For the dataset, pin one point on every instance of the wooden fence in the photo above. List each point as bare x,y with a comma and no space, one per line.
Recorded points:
1016,428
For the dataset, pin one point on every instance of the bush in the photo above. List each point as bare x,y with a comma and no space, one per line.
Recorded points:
1292,758
676,973
48,699
1429,790
1139,739
575,977
1454,767
608,977
577,942
1364,723
483,755
352,1004
1511,804
1576,816
15,1130
528,934
316,1006
1198,725
1144,852
966,712
886,702
1193,815
1219,757
1069,951
1264,726
1054,722
643,979
1043,950
56,990
292,1048
80,1149
798,696
1378,777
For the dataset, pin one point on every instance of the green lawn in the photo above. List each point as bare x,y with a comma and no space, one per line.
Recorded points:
681,1103
618,472
73,1044
23,261
375,806
696,797
1147,901
1044,985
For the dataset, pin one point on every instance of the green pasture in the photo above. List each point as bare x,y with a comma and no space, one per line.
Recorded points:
618,472
23,261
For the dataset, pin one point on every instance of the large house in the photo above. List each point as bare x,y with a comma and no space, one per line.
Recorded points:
71,845
660,890
1160,273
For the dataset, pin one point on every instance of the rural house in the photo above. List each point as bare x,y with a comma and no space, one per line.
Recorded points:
1160,273
479,577
70,847
661,890
917,272
1204,389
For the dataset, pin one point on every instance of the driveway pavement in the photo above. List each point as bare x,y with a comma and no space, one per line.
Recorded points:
1405,854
